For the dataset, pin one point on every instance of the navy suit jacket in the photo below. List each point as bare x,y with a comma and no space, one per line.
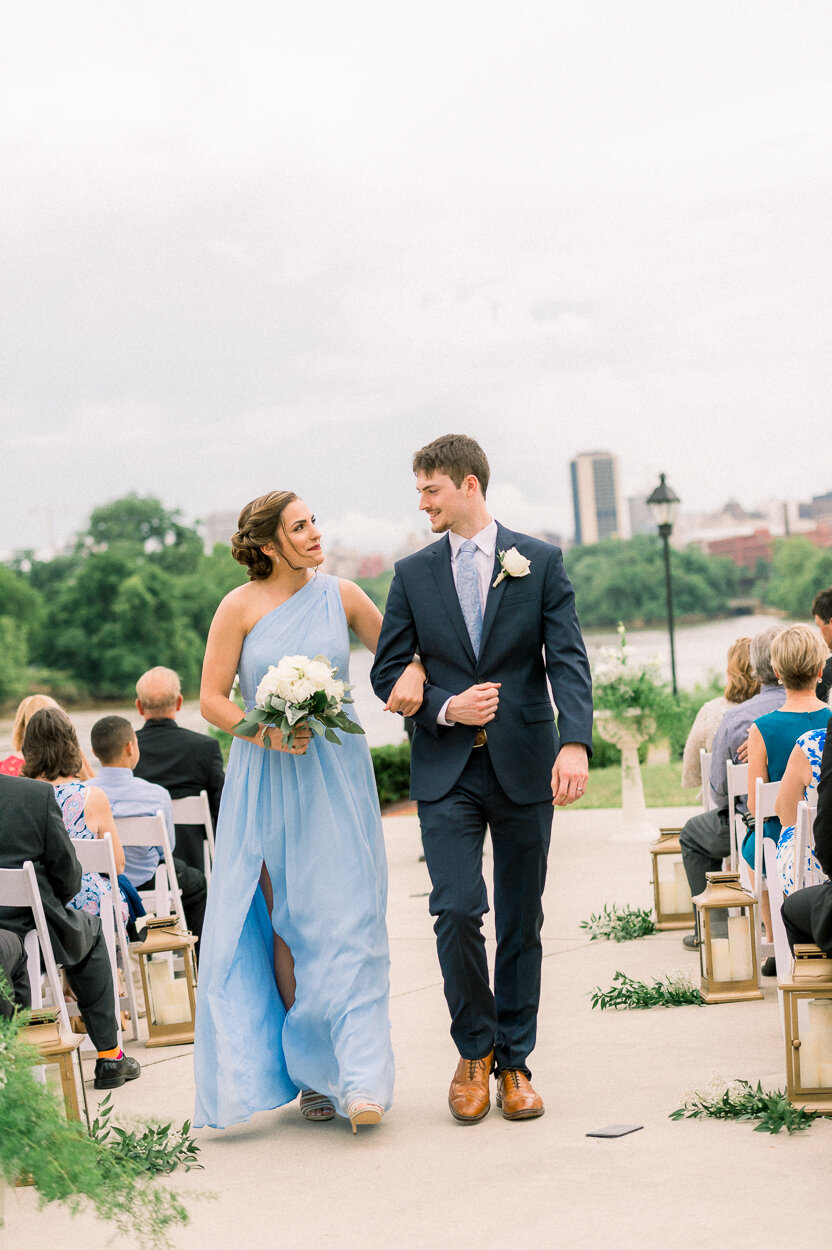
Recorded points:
530,632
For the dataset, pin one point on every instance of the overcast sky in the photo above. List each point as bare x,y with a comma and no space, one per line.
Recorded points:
249,246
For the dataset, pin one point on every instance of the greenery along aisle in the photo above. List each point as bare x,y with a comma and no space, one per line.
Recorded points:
108,1169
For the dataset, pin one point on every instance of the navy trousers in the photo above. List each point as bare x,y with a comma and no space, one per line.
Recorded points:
453,831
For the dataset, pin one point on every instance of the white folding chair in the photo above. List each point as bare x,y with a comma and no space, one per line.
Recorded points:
96,855
19,888
765,798
804,838
737,785
195,810
782,952
165,897
705,758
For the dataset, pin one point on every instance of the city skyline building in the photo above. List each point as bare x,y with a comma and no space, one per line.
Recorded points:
596,498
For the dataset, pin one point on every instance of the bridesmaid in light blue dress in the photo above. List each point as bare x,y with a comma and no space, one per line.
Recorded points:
293,975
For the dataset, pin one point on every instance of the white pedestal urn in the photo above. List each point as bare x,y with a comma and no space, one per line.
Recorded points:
627,731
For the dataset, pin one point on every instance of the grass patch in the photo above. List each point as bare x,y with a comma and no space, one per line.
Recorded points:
662,787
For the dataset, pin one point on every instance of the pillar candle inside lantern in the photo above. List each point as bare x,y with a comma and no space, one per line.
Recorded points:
683,902
739,939
721,951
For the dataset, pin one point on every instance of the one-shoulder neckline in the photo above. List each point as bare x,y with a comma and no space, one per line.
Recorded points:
313,581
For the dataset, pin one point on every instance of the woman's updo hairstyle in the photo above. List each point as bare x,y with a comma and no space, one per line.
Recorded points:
258,526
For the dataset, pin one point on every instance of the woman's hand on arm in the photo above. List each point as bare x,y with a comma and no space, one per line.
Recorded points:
99,819
796,778
757,764
408,692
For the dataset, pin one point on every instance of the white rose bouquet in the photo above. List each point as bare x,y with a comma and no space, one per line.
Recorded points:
298,691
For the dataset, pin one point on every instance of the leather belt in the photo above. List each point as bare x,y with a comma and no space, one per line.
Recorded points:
481,739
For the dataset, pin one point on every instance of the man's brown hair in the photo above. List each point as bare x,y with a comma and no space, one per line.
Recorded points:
457,456
109,736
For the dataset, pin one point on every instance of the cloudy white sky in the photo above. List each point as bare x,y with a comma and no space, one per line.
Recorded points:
270,244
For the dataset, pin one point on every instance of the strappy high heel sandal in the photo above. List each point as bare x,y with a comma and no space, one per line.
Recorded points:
364,1112
316,1107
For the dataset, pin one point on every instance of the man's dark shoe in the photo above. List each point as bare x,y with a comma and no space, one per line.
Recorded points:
110,1073
769,968
691,942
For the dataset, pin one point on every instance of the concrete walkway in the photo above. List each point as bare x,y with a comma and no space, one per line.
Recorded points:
421,1180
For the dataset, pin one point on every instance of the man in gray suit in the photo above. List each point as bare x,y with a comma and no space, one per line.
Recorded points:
31,828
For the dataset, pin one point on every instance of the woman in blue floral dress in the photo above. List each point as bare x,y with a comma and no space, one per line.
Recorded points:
801,775
52,753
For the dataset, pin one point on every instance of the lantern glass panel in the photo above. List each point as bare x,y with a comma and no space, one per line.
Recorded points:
814,1055
168,992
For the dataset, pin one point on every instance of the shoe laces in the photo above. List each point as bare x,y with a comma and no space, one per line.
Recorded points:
513,1075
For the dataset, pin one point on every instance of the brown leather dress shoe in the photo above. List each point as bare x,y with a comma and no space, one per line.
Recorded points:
468,1097
515,1096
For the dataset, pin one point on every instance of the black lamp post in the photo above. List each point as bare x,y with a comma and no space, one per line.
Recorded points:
663,504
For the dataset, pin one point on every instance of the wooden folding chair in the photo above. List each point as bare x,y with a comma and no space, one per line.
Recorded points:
96,855
195,810
19,888
165,897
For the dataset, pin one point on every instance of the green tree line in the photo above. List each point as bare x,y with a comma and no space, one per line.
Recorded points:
138,589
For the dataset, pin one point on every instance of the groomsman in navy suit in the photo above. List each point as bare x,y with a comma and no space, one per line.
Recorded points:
491,614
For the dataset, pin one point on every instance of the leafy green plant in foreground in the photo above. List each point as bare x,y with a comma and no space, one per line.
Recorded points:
741,1101
614,925
674,990
110,1169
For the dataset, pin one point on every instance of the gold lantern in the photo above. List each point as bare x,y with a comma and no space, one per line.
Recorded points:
168,968
671,892
59,1050
727,947
807,1000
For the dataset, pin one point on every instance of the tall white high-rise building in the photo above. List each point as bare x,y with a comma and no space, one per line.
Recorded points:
596,498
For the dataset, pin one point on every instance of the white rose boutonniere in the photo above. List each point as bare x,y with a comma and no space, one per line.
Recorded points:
512,565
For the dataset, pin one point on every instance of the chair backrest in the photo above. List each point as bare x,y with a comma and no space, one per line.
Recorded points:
153,831
96,855
19,888
195,809
764,799
737,785
705,758
806,869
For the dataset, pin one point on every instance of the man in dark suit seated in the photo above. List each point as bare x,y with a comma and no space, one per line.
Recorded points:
182,761
14,978
822,612
807,914
31,827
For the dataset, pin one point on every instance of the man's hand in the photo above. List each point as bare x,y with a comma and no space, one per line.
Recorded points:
742,752
570,773
475,706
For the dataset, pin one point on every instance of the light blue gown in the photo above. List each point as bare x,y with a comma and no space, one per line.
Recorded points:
314,820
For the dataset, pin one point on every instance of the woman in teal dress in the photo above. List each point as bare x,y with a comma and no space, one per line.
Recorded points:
798,655
293,976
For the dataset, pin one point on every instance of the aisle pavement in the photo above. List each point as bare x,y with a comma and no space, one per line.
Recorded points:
422,1180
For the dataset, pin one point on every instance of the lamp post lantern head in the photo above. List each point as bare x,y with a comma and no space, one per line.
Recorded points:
663,504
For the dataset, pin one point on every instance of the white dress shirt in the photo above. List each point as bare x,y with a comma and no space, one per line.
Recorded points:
486,541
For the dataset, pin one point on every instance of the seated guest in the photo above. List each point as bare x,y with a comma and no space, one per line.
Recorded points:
114,742
741,684
797,657
52,753
807,913
14,975
31,828
822,612
12,765
801,775
182,761
705,838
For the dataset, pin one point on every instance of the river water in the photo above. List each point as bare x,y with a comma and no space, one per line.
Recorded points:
700,653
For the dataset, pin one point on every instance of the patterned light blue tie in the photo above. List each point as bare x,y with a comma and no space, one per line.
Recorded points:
468,589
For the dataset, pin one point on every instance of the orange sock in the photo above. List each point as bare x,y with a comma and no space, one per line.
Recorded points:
116,1053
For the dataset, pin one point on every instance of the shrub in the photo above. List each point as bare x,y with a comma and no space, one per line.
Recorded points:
391,766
